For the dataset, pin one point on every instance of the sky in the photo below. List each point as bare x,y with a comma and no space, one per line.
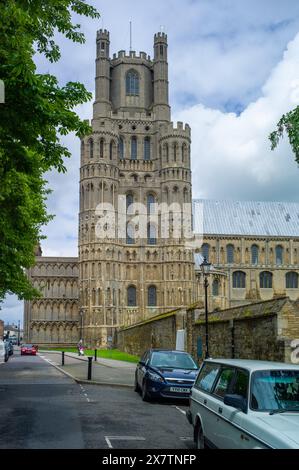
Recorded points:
233,71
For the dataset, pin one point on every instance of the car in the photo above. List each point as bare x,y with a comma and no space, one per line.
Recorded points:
165,373
28,349
4,351
245,404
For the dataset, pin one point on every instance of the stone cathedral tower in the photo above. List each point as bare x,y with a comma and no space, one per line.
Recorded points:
136,152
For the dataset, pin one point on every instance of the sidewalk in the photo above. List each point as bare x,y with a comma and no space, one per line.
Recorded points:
104,371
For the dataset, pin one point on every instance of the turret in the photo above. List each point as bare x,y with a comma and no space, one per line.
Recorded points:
161,104
102,104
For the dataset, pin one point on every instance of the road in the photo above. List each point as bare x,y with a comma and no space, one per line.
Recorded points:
41,408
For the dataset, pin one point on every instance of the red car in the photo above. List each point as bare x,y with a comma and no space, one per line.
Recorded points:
28,349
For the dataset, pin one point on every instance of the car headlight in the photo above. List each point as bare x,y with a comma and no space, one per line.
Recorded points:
155,377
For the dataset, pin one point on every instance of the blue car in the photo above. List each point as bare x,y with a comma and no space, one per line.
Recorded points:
165,373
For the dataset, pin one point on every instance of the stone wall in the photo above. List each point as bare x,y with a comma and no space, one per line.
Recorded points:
262,331
157,332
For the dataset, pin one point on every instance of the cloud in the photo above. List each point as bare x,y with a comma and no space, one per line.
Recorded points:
231,153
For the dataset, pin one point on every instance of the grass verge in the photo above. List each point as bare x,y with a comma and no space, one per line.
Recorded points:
104,353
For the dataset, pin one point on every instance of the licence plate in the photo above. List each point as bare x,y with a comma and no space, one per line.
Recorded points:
180,390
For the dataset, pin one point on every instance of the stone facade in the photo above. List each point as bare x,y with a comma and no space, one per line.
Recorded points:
136,152
53,319
281,278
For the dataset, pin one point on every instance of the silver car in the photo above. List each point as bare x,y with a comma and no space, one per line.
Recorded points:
242,404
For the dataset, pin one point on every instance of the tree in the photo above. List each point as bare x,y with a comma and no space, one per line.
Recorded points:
288,123
36,113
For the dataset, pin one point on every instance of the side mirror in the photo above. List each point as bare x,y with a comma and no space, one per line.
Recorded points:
236,401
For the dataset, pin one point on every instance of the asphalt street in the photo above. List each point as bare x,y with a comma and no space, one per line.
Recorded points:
41,408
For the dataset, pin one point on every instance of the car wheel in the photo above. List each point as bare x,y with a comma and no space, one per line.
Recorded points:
144,392
200,438
136,386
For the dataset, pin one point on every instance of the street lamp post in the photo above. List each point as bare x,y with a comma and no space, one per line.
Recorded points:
18,332
81,323
205,268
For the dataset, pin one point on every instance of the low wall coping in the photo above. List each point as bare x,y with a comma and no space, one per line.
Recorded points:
243,318
162,316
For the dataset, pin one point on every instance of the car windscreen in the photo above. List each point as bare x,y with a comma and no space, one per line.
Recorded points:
173,360
27,346
275,390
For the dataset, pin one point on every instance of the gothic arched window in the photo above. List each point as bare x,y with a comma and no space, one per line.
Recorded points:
292,280
121,148
130,233
147,149
239,280
111,150
129,200
132,83
279,255
133,148
152,296
254,254
215,287
205,251
150,200
166,151
266,280
230,253
102,148
184,152
90,148
131,296
151,234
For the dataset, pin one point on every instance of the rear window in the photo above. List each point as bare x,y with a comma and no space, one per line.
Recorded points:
224,381
206,378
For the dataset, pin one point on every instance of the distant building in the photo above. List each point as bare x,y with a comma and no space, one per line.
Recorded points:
53,318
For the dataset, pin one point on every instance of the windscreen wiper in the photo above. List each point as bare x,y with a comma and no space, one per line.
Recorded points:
284,410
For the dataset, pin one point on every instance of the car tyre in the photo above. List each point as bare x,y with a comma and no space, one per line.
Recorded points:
200,438
144,392
136,386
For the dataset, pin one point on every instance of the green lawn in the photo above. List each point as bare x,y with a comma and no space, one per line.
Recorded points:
105,353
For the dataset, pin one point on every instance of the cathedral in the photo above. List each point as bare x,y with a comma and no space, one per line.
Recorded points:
136,256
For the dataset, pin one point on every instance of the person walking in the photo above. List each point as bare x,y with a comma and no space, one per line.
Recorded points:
80,348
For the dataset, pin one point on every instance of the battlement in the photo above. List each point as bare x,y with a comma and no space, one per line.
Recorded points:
103,34
178,130
131,55
160,37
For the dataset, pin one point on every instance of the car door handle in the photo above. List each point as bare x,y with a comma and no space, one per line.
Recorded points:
205,402
220,410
